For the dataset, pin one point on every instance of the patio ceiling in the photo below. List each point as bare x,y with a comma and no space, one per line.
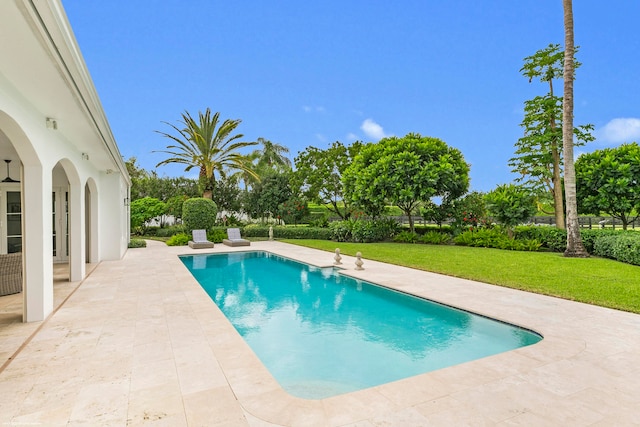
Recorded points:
41,61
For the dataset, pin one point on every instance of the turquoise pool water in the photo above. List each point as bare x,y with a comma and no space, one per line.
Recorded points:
322,334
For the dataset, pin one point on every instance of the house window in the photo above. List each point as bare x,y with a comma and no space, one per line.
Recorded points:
14,222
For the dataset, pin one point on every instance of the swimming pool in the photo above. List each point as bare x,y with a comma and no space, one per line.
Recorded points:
321,333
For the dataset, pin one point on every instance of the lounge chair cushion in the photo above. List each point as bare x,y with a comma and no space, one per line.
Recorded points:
10,273
234,238
200,240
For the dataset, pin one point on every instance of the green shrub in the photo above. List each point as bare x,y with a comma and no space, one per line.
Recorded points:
551,238
180,239
321,221
152,230
254,230
137,243
436,238
373,230
589,237
341,231
217,234
406,237
316,233
287,232
169,231
495,238
198,213
622,246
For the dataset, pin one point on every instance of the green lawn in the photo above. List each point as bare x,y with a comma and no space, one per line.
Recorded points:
593,280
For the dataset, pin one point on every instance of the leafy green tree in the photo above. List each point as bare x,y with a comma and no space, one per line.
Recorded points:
293,210
143,210
575,248
608,180
226,194
174,206
538,156
208,145
263,199
511,205
405,172
319,172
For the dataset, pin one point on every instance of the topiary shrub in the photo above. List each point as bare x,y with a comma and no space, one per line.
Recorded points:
198,213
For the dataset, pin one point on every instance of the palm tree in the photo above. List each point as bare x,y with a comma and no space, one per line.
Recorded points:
575,248
249,176
207,146
272,156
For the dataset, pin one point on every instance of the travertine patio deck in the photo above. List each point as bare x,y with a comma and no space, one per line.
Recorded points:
139,342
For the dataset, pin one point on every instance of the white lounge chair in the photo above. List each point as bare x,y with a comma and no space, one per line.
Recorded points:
200,240
234,238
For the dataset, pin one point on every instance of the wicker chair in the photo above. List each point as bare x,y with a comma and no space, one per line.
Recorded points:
10,273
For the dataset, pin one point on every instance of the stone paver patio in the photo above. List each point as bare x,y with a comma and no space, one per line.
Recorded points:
138,342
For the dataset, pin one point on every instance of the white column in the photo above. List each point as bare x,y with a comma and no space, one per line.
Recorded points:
37,244
76,233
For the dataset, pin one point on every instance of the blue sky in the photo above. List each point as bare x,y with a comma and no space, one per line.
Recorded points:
310,73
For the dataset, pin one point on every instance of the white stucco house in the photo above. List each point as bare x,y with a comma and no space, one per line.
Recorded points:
65,196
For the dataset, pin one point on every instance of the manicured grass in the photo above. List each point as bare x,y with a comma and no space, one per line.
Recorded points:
595,281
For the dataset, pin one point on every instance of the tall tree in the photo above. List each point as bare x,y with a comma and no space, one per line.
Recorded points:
272,156
608,180
319,172
406,172
208,145
538,156
575,248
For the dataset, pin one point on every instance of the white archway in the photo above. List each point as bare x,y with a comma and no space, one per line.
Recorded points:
35,186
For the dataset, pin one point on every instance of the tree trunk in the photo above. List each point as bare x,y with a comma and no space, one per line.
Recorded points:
575,248
408,213
558,208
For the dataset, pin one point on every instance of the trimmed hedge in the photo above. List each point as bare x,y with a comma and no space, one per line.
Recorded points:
364,230
623,247
282,232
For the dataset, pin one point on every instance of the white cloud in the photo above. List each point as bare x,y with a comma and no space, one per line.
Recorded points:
619,130
373,130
